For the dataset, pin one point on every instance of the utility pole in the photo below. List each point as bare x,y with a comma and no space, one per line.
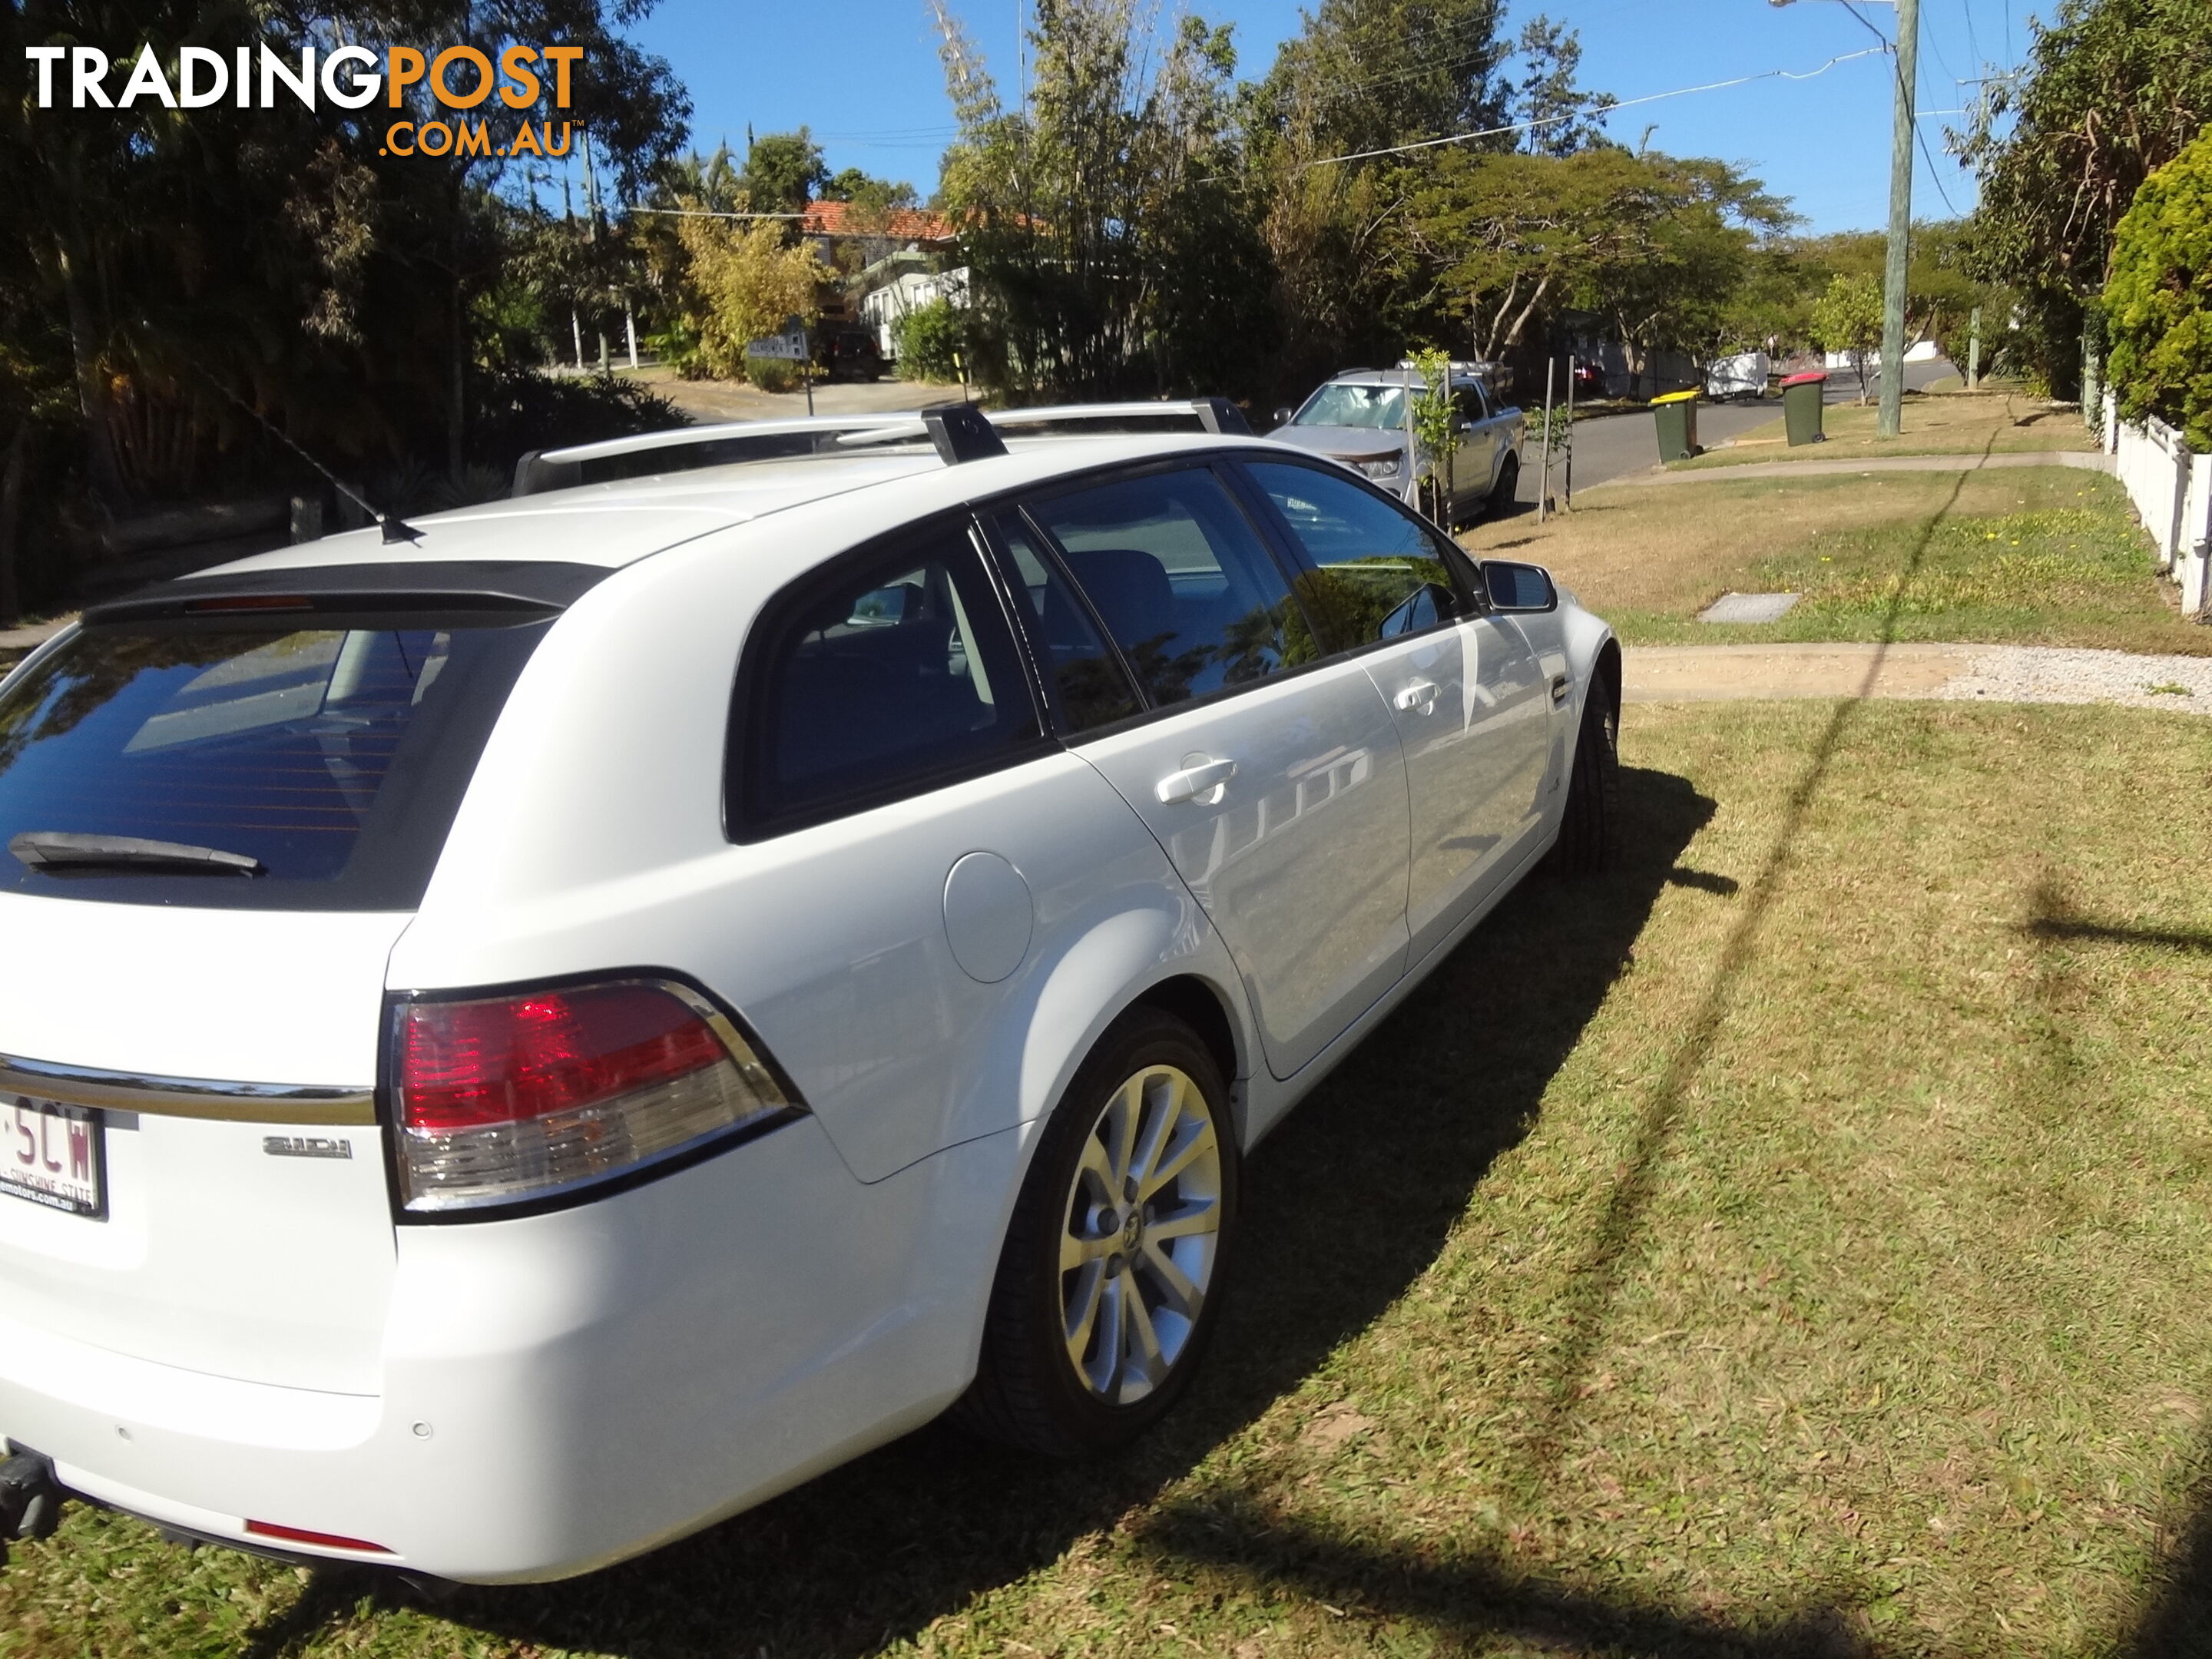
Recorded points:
1974,350
1892,420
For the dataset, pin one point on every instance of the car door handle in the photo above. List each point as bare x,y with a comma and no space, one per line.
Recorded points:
1420,697
1194,781
1559,688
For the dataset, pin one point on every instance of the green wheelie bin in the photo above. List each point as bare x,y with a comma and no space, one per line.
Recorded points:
1675,416
1802,403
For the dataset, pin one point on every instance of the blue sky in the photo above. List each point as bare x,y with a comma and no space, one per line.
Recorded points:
864,75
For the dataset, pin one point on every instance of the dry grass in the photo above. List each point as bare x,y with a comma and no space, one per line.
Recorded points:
2026,555
1798,1243
1961,422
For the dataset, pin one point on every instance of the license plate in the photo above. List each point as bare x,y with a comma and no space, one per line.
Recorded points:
53,1155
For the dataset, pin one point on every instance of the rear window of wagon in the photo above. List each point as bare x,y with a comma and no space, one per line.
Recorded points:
332,757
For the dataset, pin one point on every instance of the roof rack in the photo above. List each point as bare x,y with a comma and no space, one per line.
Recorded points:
958,433
1215,414
719,444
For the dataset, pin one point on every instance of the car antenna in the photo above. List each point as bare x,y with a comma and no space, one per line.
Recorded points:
395,528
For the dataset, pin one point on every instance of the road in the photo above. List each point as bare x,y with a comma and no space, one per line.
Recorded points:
1609,447
1614,446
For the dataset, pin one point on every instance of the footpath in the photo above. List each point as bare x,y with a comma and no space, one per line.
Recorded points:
1964,673
2087,461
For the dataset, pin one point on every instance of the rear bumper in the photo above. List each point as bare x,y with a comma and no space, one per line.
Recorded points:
564,1390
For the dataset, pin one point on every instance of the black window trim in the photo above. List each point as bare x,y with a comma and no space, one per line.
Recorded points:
1237,488
1036,652
746,826
1473,604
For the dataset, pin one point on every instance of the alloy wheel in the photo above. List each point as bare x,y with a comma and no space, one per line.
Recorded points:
1141,1235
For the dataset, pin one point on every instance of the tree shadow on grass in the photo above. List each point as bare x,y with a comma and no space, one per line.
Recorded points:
2176,1620
1474,1596
1344,1206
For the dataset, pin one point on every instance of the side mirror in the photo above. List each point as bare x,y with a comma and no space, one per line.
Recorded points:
1519,587
1283,416
1424,607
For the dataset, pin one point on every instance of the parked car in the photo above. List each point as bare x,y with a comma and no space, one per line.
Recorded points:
1589,380
1360,420
528,1035
848,354
1742,375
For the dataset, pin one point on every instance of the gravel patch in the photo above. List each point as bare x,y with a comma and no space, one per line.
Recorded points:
2039,673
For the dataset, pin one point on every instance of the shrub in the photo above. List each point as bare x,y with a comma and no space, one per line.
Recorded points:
2157,303
515,410
752,284
772,373
929,339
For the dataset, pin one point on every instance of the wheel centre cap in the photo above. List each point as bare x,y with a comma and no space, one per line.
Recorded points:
1133,1229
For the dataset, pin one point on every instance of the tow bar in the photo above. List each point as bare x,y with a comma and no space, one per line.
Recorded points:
30,1499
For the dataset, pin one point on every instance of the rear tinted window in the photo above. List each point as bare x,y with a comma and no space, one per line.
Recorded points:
892,674
334,758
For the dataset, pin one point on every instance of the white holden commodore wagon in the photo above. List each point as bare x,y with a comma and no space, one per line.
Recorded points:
526,1036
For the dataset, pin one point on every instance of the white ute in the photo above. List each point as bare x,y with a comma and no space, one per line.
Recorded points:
518,1043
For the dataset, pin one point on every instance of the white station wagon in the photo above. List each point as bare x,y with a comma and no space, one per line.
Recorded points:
526,1036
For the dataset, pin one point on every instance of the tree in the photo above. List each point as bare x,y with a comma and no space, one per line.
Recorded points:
1561,119
1085,219
784,171
198,260
2116,89
1361,77
2158,304
1848,318
1658,247
867,192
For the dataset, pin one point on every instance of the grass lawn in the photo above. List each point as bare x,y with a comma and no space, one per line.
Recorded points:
1935,424
1798,1243
2031,555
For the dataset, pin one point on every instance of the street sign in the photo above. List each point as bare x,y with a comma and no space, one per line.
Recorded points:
790,345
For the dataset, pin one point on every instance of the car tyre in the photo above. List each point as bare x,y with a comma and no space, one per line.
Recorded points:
1589,833
1507,485
1109,1284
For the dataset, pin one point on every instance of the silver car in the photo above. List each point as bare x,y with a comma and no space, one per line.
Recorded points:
1362,420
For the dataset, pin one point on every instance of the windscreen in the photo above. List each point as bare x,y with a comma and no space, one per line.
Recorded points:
323,763
1378,408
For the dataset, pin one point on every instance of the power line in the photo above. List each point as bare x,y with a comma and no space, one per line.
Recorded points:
1932,173
1866,23
1626,103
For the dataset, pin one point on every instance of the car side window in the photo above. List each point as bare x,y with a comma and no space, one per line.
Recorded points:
895,673
1376,572
1182,580
1467,400
1086,681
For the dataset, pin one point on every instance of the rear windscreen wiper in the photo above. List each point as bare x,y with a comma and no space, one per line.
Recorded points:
60,853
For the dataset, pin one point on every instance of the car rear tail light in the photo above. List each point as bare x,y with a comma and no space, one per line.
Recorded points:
501,1100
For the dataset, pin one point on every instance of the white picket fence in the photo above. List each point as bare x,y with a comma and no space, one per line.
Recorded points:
2171,486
